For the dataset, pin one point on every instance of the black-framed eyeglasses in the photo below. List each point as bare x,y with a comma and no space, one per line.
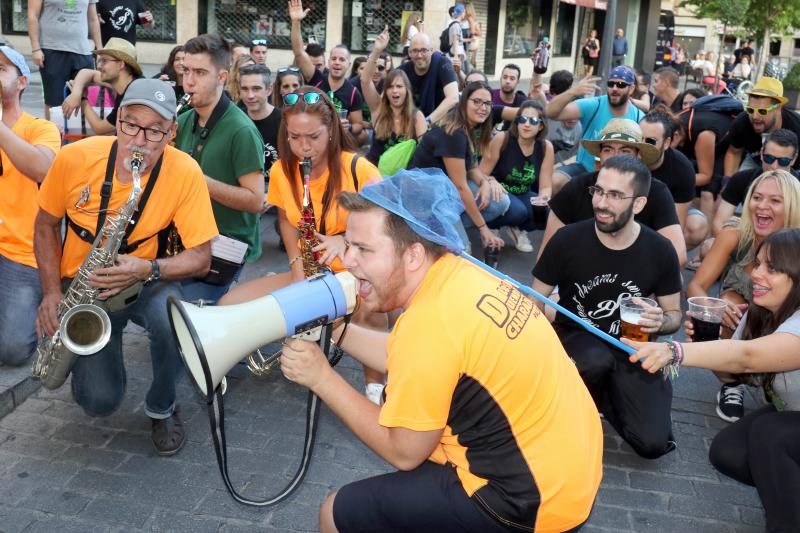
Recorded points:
308,98
617,84
152,135
533,121
477,102
613,196
766,158
652,141
258,42
288,69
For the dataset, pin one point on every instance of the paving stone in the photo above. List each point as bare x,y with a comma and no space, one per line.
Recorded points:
169,521
220,503
22,422
614,477
737,494
753,516
177,497
610,517
661,482
94,458
648,522
125,511
49,524
698,506
33,446
633,499
56,501
13,520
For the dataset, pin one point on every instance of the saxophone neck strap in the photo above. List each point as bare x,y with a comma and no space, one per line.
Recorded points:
205,131
105,197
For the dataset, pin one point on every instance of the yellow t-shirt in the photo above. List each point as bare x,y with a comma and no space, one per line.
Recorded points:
281,194
179,195
18,206
473,355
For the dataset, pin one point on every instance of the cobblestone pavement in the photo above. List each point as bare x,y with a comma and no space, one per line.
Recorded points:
63,471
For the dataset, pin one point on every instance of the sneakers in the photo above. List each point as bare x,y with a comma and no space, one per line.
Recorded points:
374,392
730,402
521,240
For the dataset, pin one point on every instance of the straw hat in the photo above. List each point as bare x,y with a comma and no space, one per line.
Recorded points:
119,48
627,132
769,87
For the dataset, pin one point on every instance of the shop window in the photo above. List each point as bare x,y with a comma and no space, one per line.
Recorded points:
565,26
245,20
365,19
527,21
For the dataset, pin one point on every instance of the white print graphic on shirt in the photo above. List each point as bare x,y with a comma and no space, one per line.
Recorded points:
270,156
121,18
604,308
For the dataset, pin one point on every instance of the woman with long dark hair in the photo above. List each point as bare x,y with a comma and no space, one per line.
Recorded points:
287,80
521,159
172,71
763,448
453,145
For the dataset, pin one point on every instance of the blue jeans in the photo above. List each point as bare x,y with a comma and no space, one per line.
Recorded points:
20,296
196,289
98,381
490,212
519,214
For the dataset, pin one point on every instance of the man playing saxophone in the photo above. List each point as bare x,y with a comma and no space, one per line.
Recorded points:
90,181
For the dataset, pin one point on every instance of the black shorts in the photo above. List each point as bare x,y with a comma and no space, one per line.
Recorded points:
60,67
428,498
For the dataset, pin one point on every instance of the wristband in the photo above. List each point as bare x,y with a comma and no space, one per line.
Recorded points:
481,226
296,259
36,50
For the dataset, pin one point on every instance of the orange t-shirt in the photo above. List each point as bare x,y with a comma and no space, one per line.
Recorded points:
18,206
281,195
179,195
475,357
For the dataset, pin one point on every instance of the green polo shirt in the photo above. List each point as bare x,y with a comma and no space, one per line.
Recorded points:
233,148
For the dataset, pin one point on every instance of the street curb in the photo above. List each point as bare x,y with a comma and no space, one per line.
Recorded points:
22,386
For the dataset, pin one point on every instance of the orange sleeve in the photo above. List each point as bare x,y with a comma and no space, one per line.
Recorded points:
52,193
367,172
45,133
280,194
194,218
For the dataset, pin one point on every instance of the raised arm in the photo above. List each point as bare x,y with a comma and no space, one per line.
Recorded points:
371,95
563,107
297,14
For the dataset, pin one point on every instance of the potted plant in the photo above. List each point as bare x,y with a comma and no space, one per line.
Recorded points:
791,87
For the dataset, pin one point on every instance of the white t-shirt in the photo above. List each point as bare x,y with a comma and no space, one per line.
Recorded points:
787,384
412,31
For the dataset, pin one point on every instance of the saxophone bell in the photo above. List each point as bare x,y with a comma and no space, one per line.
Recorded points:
85,329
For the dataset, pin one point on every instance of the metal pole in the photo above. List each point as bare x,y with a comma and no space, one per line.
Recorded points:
607,44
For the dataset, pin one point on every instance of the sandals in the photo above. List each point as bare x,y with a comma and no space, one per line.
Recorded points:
168,435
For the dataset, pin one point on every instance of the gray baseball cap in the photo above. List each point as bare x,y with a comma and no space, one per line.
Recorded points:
155,94
17,59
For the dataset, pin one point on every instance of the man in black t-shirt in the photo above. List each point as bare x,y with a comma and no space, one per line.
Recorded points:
119,18
573,203
116,68
676,172
765,112
779,152
666,81
745,50
432,76
255,87
333,80
596,263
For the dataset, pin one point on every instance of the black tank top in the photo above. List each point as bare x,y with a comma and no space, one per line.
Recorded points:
517,173
719,123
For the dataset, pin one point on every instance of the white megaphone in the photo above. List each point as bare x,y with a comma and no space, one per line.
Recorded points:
212,340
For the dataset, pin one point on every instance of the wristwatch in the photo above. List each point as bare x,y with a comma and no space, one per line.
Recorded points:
155,271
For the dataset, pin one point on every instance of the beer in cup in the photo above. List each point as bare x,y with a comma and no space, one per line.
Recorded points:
706,314
540,209
630,309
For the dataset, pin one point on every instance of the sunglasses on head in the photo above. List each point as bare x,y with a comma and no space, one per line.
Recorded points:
761,110
617,84
308,98
769,159
288,69
533,121
258,42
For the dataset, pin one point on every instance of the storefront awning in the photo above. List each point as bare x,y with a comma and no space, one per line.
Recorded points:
591,4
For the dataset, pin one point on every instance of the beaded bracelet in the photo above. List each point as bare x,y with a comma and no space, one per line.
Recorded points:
671,369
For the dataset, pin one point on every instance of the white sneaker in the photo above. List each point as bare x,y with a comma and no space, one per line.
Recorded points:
374,392
521,240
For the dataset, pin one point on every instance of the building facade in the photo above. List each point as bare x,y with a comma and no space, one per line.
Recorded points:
511,29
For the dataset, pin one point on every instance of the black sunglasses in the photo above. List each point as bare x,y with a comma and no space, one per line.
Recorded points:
533,121
617,84
651,140
308,98
767,158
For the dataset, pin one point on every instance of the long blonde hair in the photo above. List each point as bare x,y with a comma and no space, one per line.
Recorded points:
790,188
412,20
233,78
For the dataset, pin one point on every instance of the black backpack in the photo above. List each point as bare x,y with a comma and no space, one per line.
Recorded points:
444,38
718,103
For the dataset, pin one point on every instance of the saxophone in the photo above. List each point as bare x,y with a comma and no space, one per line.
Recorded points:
84,326
258,363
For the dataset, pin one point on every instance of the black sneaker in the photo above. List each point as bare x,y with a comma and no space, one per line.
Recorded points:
730,402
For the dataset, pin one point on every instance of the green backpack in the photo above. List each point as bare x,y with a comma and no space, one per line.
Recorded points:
397,157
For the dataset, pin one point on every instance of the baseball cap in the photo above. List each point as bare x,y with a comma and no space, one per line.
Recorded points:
623,73
459,9
17,59
153,93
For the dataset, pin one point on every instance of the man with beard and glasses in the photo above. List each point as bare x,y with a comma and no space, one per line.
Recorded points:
117,67
596,263
333,80
595,112
675,171
486,420
764,113
27,148
94,172
229,149
572,204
